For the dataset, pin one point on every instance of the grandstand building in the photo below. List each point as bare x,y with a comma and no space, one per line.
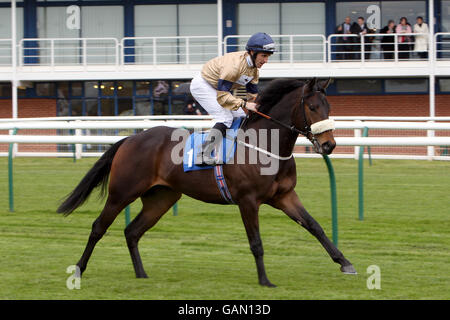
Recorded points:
136,57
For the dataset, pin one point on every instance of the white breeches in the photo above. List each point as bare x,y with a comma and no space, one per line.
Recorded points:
206,95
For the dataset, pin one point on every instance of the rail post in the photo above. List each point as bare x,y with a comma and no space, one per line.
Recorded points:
334,212
361,178
127,216
10,174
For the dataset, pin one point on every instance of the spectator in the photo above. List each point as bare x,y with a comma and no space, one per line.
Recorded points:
404,42
345,46
360,28
388,41
421,41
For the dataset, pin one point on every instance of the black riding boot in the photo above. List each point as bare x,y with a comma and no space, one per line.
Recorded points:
211,143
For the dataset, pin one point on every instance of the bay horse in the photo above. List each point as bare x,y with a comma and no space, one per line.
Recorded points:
140,166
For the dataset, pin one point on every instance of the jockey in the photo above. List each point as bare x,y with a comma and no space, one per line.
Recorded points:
212,87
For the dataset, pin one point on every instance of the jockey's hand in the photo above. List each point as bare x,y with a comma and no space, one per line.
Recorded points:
251,106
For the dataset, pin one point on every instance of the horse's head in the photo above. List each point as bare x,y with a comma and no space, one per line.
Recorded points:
314,111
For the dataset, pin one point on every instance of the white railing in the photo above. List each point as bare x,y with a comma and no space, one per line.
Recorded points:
376,46
199,49
168,50
289,48
85,132
68,51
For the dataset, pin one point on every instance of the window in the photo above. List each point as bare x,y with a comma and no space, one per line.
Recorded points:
257,17
155,20
358,86
143,88
143,107
5,23
125,88
444,85
5,90
390,10
406,85
45,89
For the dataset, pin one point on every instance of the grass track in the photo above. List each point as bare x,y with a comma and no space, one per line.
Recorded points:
203,252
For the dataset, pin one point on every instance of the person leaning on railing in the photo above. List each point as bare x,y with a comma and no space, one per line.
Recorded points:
404,42
421,41
387,42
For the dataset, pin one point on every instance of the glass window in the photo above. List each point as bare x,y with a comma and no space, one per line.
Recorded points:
63,108
125,107
389,10
155,20
303,18
77,89
76,107
353,10
91,89
394,10
358,85
102,21
91,107
63,90
5,90
125,88
445,16
5,23
190,24
444,85
51,23
143,88
107,88
406,85
143,107
257,17
107,107
45,89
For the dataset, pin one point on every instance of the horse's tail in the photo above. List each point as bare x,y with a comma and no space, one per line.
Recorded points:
98,175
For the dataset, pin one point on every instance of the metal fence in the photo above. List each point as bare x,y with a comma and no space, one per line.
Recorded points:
199,49
391,138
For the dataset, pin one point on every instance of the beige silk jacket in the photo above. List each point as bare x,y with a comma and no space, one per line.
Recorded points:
231,71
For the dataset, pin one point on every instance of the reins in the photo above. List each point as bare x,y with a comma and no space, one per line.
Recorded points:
306,131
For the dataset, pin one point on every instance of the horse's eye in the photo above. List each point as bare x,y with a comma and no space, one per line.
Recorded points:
312,107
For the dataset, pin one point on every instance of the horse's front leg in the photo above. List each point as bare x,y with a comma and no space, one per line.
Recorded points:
290,204
249,213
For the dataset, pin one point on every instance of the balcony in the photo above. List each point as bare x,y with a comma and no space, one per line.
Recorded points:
297,56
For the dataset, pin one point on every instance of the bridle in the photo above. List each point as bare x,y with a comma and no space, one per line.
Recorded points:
306,130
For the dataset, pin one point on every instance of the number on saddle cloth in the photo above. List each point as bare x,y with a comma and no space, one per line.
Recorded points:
194,145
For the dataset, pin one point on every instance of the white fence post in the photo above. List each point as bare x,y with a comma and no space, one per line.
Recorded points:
357,134
78,146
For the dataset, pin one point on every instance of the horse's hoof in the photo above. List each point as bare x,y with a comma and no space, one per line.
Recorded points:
348,269
142,276
268,284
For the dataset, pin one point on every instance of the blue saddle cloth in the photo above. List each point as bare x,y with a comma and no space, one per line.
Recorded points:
195,142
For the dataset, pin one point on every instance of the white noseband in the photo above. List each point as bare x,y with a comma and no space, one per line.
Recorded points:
322,126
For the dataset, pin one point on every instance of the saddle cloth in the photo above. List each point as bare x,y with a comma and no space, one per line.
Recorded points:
226,149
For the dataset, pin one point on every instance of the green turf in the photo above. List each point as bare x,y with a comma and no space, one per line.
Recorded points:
203,252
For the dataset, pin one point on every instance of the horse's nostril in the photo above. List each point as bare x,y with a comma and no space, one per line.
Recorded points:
328,147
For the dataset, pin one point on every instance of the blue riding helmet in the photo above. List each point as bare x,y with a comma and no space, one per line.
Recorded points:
260,42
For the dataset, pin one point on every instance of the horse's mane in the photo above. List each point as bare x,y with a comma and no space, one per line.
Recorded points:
274,91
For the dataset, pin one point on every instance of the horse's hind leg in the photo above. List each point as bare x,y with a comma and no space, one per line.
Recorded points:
109,213
249,214
291,205
155,202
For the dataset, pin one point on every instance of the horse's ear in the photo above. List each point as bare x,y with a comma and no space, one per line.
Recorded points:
325,84
311,84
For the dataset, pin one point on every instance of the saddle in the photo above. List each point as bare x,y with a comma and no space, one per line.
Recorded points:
226,149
